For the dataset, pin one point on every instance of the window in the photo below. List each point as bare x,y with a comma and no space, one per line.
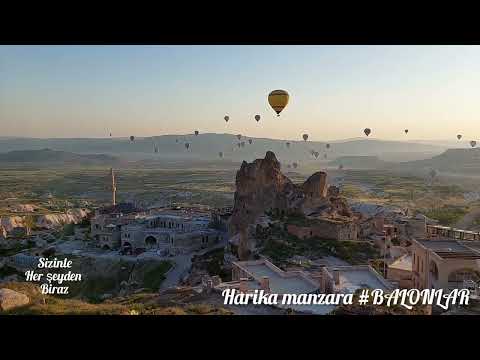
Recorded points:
433,270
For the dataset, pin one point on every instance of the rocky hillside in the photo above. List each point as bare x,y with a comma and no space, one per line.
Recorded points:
455,161
48,221
459,161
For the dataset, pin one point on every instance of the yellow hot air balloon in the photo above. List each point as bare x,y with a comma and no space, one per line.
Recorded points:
278,99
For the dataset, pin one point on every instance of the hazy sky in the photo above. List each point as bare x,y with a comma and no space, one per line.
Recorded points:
335,91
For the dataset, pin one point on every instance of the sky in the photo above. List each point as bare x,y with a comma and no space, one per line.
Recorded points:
335,91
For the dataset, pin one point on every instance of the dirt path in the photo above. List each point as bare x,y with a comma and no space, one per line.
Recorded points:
182,264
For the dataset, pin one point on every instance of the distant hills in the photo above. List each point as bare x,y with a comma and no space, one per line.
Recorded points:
455,161
207,146
460,161
204,151
54,157
360,162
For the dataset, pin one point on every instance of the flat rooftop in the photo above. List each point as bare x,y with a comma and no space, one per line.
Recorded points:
280,284
402,263
354,279
448,249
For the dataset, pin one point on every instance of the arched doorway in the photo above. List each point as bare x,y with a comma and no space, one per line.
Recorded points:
127,248
150,241
433,270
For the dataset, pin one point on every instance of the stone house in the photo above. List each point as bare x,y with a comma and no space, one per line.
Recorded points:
445,264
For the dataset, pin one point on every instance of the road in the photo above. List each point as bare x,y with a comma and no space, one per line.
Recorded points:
180,268
182,262
182,265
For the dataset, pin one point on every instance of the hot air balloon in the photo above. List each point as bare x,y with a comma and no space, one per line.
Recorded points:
278,99
220,154
406,131
239,136
257,117
132,138
305,137
473,143
367,131
328,146
316,154
459,136
196,132
226,118
288,144
187,145
250,141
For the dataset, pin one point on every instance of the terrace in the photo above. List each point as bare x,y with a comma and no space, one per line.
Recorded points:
348,279
450,249
281,282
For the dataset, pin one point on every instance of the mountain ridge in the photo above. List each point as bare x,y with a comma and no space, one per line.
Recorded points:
207,147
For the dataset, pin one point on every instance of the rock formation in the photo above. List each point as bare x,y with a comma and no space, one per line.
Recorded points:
10,299
261,186
47,221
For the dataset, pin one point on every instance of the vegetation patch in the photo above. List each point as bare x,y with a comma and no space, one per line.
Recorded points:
213,262
282,246
446,215
154,277
137,304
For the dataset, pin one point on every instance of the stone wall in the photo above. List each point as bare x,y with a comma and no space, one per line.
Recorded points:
326,229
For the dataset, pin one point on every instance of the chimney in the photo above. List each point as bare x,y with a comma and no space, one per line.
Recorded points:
243,285
336,276
265,284
114,188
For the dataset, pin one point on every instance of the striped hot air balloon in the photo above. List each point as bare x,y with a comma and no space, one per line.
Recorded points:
278,100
